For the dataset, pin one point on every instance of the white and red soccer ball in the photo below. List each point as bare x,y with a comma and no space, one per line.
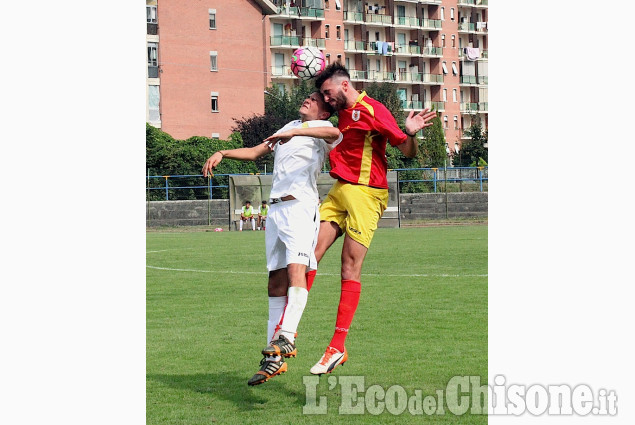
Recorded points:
307,62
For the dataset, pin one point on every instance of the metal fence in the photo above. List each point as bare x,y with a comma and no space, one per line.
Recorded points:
410,180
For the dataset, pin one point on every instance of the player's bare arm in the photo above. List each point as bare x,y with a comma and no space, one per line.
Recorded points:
329,134
415,123
241,154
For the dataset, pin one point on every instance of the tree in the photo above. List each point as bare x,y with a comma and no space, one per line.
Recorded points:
432,147
473,152
167,156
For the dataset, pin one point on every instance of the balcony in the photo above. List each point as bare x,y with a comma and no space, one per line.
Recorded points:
290,41
152,29
407,21
380,76
407,50
373,18
468,80
431,24
412,104
320,43
300,12
372,49
473,27
474,3
436,106
432,79
467,27
433,51
355,46
481,80
482,54
357,75
469,108
282,71
353,17
409,77
482,107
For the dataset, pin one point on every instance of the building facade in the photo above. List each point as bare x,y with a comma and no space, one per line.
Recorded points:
434,51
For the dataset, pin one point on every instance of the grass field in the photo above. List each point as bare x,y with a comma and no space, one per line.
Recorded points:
421,320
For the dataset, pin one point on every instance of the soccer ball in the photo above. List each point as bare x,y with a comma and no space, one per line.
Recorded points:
307,62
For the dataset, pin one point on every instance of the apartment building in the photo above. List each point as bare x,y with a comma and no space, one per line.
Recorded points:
206,64
434,51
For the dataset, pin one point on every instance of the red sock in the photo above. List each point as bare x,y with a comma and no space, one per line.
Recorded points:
310,277
349,298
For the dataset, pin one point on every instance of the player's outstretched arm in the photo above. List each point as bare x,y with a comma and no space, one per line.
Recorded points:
329,134
241,154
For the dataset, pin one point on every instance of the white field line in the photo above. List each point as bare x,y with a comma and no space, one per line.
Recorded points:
319,274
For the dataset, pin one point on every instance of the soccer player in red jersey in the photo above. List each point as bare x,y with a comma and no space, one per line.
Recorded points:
358,199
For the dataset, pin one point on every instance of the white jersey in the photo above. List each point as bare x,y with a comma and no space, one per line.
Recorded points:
297,163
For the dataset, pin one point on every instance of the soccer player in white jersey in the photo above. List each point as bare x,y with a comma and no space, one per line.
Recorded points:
293,222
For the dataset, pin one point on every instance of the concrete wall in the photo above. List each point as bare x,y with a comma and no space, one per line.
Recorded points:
214,212
431,206
412,206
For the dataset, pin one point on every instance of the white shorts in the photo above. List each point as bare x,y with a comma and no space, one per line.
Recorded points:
291,234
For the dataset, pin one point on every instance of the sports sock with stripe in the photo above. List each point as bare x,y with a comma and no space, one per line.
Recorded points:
349,299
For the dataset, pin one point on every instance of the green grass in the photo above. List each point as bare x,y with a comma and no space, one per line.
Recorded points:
421,320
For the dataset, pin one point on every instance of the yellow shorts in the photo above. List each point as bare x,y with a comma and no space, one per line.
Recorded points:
355,208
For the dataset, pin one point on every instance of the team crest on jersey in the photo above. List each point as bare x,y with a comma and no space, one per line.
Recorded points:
356,115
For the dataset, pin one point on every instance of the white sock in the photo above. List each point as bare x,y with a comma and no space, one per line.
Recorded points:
296,302
253,224
241,225
276,308
273,358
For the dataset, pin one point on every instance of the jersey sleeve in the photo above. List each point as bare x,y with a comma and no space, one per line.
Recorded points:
387,126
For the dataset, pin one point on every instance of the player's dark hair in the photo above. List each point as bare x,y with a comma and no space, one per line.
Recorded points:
336,69
325,106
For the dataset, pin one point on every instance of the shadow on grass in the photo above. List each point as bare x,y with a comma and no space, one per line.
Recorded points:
230,386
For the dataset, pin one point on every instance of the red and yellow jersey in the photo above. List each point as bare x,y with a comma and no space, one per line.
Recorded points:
360,157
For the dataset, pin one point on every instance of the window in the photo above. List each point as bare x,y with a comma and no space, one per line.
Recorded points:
451,13
153,62
328,59
215,135
445,122
453,41
338,5
151,14
454,70
326,4
445,69
326,31
338,32
214,97
443,13
212,19
454,95
442,40
213,57
456,122
445,95
378,65
153,104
